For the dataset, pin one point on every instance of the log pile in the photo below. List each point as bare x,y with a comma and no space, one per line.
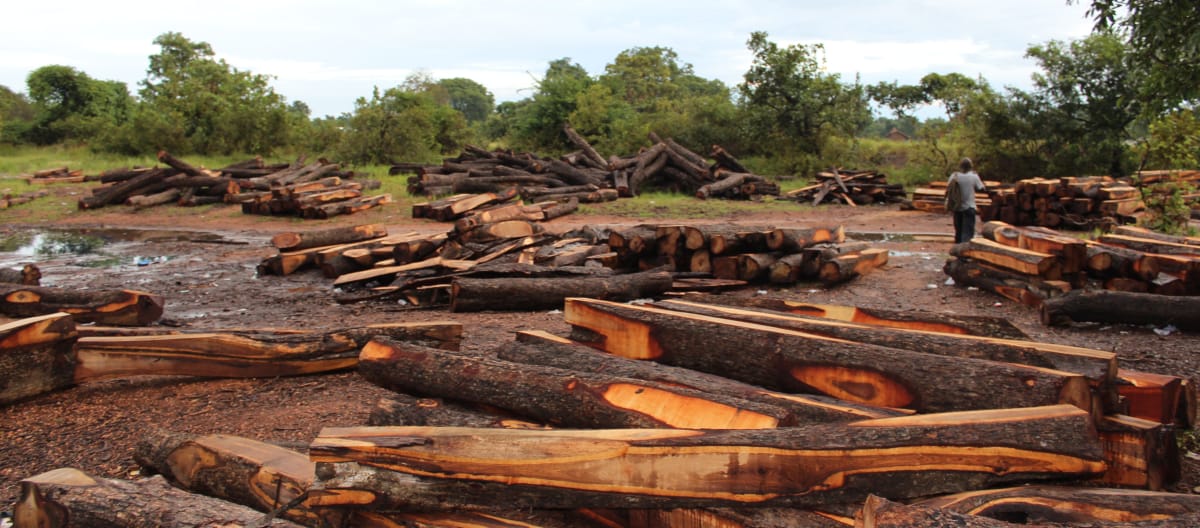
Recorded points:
1084,202
1033,265
850,187
686,413
932,197
55,175
587,176
313,190
491,261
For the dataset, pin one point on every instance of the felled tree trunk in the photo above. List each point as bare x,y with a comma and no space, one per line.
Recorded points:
541,348
1104,306
70,497
106,307
296,241
422,468
793,361
558,396
472,295
402,409
1060,504
35,356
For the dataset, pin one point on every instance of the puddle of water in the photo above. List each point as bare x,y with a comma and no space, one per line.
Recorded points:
899,237
86,247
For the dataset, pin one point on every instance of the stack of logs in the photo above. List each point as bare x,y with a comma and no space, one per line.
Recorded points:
1035,265
1069,202
56,175
849,186
515,265
775,414
586,175
468,211
932,197
1166,183
314,190
8,199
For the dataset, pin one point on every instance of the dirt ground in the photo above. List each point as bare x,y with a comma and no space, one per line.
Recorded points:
206,271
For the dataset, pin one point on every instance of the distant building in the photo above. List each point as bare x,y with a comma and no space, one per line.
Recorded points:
896,135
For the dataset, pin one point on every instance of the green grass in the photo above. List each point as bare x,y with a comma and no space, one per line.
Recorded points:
657,205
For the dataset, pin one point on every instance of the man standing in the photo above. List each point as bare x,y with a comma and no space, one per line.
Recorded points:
968,182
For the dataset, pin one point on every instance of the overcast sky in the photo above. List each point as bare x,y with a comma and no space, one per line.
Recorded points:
328,54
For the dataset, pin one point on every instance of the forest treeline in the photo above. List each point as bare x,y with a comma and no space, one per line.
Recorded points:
1121,99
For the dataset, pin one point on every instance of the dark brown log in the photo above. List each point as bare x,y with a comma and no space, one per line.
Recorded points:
1104,306
150,200
788,269
1105,261
241,354
118,192
792,361
1139,453
721,186
295,241
534,294
561,209
792,240
420,468
1099,367
1150,245
726,160
1141,232
28,275
402,409
1061,504
107,307
589,152
386,272
179,164
878,512
419,248
573,175
503,230
35,356
559,396
70,497
909,319
498,213
240,470
541,348
1028,290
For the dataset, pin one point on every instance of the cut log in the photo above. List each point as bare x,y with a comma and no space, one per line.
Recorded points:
597,160
792,361
794,239
501,230
35,356
295,241
240,470
1138,453
1154,397
541,348
878,512
558,396
533,294
402,409
421,468
1060,504
28,275
845,268
70,497
913,320
245,354
1099,367
1072,252
1104,306
106,307
1141,232
1029,290
1022,261
1150,245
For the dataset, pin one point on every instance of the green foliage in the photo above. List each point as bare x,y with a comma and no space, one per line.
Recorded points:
469,97
392,125
792,106
1167,209
537,125
215,108
1164,41
1173,141
71,106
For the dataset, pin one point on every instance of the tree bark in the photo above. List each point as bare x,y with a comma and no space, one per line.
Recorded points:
106,307
1099,367
402,409
1028,290
562,397
71,498
295,241
792,361
878,512
912,320
794,239
36,356
586,147
1027,262
540,348
422,468
533,294
845,268
1062,504
1104,306
28,275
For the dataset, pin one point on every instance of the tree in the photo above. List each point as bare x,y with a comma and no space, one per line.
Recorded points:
69,104
1164,42
16,115
215,107
794,105
396,124
1088,98
538,124
469,97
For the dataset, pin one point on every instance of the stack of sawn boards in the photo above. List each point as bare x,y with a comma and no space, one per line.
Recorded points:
696,414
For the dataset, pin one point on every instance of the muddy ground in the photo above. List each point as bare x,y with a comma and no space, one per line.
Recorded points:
205,268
